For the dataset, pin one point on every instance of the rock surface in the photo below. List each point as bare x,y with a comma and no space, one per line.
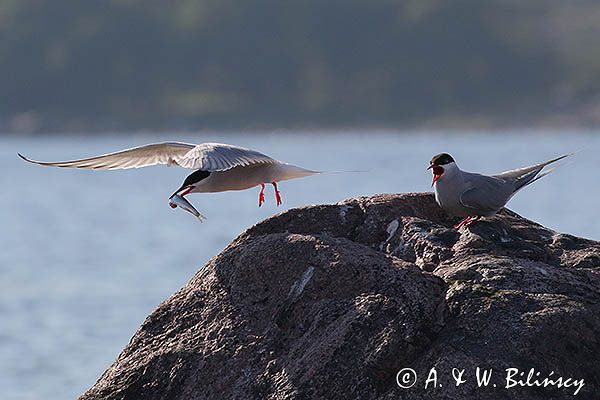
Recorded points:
331,301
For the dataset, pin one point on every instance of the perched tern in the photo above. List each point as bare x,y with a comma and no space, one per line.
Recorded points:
472,196
219,167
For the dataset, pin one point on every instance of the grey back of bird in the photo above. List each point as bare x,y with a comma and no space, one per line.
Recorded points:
466,194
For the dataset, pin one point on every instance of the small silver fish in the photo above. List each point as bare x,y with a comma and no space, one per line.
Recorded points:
179,201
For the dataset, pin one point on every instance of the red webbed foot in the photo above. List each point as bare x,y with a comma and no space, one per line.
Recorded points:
261,195
277,193
467,221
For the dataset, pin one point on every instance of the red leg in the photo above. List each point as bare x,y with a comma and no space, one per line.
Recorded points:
277,194
261,195
462,223
477,218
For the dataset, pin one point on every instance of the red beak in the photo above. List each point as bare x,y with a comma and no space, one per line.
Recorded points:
187,190
180,192
437,173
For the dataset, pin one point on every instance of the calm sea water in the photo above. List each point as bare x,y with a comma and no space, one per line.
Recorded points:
86,255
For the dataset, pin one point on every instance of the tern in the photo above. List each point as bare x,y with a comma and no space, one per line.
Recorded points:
218,168
473,196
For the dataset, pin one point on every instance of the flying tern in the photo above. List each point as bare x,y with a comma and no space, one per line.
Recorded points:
472,196
218,168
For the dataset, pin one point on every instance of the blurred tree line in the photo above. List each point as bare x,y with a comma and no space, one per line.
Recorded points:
135,64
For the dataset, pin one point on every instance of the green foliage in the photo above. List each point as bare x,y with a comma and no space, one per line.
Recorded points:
152,63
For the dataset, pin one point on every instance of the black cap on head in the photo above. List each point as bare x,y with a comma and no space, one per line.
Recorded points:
441,159
195,177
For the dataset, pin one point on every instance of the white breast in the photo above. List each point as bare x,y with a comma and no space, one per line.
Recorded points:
245,177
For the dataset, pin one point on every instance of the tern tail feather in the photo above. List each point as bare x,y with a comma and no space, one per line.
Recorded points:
343,172
525,176
537,173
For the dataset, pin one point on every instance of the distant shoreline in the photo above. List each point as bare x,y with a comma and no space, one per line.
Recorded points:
30,123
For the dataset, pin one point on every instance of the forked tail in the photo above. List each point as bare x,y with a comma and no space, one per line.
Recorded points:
526,176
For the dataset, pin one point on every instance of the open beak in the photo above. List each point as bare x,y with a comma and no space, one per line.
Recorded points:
437,173
182,191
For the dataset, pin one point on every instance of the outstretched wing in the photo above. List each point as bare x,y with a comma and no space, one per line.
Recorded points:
221,157
206,156
486,194
136,157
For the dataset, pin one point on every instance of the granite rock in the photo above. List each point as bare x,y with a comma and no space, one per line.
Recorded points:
332,301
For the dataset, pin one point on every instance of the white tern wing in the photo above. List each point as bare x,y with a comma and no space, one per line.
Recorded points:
221,157
206,156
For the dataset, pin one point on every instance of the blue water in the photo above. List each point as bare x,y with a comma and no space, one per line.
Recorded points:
87,255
